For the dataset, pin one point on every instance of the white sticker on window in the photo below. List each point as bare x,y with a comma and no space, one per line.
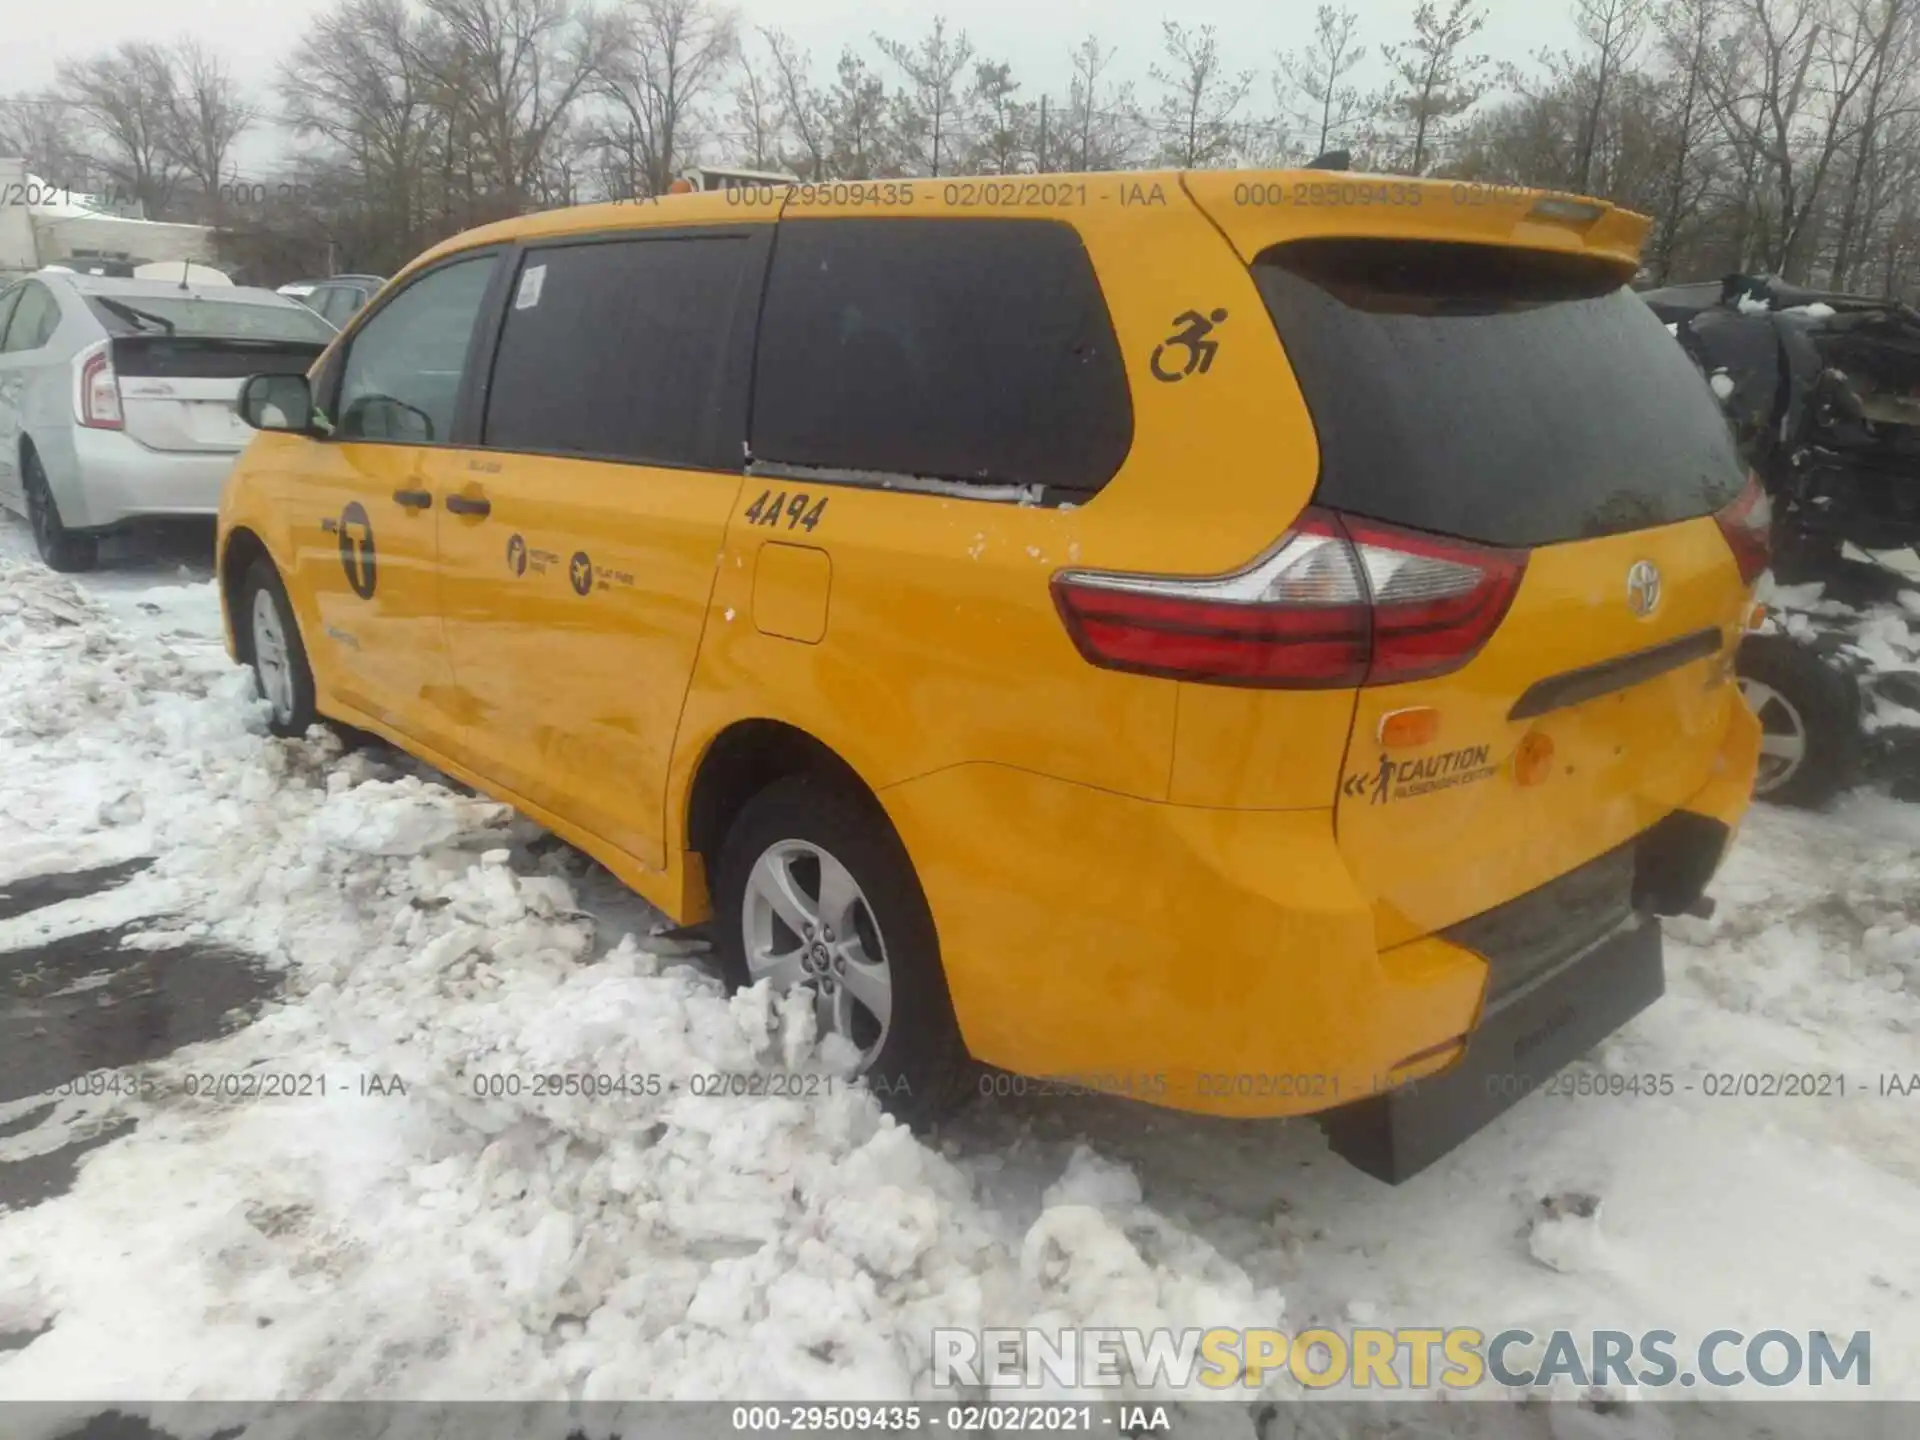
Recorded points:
531,279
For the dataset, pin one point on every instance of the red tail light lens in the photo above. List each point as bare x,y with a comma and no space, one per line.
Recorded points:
1436,602
100,393
1748,525
1338,602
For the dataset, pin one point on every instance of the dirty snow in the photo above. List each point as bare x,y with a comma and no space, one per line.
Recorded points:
449,1243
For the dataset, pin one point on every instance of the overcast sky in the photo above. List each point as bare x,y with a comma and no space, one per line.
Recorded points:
1036,35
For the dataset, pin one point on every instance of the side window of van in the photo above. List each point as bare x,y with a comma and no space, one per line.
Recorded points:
622,350
972,350
403,368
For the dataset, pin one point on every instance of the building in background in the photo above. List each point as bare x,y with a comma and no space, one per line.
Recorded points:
42,224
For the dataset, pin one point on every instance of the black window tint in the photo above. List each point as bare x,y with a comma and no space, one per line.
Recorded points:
620,349
976,350
1507,396
402,374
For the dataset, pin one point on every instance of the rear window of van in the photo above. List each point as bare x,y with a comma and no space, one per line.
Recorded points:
1501,395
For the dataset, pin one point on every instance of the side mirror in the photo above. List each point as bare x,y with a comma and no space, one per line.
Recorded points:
381,417
277,402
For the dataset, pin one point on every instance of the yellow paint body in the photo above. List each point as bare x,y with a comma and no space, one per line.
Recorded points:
1131,877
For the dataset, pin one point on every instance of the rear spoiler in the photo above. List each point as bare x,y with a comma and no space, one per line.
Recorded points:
1258,209
212,355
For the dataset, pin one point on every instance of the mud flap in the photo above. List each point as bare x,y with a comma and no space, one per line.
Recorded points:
1529,1035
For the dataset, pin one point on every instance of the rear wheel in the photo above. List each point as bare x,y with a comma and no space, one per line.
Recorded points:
1809,720
813,888
281,675
59,547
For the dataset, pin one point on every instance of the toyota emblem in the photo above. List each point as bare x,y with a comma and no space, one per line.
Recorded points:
1643,588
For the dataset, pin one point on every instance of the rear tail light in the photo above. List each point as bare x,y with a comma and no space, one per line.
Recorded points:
1338,602
99,407
1748,525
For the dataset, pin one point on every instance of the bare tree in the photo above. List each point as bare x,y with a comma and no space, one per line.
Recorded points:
860,143
1785,92
803,115
1101,129
126,100
930,111
1195,114
1685,29
1612,28
757,114
44,131
1435,80
1311,83
1888,24
667,61
359,81
1007,138
509,72
207,115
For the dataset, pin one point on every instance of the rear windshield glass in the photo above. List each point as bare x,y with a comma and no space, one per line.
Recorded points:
224,319
1504,396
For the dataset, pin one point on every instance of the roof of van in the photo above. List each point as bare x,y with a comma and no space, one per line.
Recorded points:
1329,202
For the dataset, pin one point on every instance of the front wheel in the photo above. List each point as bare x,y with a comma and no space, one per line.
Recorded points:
1809,721
281,674
813,888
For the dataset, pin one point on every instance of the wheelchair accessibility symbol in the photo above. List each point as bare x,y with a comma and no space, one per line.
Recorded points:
1191,330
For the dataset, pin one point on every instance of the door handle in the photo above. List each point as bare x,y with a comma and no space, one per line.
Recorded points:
469,505
414,499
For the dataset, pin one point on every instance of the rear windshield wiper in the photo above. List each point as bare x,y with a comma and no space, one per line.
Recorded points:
136,316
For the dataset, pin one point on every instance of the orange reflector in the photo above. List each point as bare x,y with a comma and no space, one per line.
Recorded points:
681,186
1756,617
1406,729
1533,761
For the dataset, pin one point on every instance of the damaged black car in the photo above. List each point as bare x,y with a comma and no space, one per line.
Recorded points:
1823,392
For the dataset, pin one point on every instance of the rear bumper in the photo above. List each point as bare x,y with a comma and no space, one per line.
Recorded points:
1526,1036
1217,961
106,478
1226,962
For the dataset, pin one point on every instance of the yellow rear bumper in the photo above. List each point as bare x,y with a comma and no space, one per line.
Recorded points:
1219,961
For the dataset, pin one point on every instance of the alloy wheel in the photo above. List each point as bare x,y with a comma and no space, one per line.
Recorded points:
806,921
270,659
1783,735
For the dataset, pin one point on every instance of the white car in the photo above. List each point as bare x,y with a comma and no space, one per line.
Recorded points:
117,398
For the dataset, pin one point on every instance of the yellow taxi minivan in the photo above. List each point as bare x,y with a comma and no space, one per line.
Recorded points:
1255,643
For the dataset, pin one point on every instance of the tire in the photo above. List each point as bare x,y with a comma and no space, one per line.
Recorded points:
266,621
1798,695
59,547
917,1067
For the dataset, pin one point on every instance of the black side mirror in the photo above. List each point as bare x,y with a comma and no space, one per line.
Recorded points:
277,402
381,417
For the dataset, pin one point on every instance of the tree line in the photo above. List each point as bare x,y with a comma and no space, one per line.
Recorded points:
1777,135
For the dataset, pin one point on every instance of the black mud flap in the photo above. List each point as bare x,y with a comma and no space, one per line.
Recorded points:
1530,1033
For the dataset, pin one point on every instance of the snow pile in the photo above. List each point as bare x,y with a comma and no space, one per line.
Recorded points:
430,1226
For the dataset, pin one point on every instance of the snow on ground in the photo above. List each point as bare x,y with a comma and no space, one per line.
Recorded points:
442,1243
